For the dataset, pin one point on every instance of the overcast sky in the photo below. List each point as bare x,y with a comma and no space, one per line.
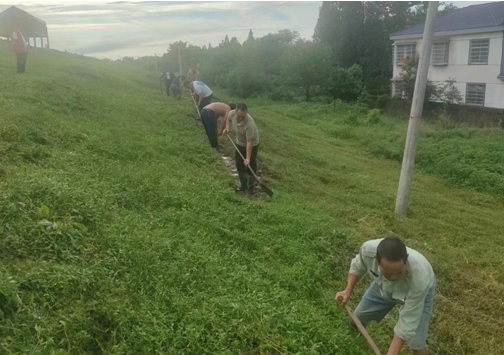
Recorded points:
117,29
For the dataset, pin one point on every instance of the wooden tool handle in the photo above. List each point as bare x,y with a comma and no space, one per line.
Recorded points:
361,328
196,107
243,158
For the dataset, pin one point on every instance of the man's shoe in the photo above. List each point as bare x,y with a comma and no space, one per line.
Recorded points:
251,185
243,185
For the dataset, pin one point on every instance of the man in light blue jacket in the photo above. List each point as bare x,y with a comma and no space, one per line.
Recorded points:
401,276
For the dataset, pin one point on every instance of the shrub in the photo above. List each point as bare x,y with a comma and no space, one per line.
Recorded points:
281,93
351,118
364,98
374,117
346,84
381,100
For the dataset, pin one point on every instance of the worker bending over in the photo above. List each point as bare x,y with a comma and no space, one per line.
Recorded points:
210,116
202,93
401,276
247,141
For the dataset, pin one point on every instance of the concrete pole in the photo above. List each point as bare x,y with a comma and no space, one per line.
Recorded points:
501,75
179,62
408,164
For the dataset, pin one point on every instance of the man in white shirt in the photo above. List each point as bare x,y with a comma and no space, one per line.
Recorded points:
201,92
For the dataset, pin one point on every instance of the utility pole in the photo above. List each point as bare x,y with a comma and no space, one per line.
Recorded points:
179,61
408,164
157,67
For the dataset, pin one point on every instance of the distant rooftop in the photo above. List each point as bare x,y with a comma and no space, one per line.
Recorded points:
481,18
29,25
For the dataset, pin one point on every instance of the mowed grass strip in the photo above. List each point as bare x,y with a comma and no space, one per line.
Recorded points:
121,234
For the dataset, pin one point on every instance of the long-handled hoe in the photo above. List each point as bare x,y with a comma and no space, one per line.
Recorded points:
265,188
361,328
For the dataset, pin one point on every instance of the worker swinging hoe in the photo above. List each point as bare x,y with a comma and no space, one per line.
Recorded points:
361,328
263,186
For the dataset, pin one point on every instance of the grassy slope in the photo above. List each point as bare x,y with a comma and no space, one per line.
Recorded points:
144,248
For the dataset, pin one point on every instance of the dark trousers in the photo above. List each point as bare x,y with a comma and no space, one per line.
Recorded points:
176,91
240,166
21,62
209,120
206,101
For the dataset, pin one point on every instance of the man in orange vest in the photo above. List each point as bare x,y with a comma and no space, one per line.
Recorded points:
18,45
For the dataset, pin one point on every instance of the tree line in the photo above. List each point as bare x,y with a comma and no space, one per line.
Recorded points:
349,57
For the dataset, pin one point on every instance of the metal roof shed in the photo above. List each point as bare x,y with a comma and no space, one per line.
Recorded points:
30,26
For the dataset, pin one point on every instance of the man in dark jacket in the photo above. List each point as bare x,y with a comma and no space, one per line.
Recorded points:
167,78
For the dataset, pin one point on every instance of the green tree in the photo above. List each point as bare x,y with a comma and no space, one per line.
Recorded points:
174,47
346,84
358,33
225,42
306,65
286,36
234,42
250,39
445,92
248,78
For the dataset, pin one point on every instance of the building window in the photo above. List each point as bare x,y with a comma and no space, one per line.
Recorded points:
398,89
404,51
478,51
475,94
440,53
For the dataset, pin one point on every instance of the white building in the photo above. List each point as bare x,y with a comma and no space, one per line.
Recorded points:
468,47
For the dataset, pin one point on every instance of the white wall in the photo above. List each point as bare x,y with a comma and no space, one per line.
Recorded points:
463,73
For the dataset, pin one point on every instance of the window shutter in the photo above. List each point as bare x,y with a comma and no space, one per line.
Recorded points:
475,94
478,51
440,53
404,51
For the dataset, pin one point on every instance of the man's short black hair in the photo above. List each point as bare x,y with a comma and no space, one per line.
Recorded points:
392,249
233,106
242,107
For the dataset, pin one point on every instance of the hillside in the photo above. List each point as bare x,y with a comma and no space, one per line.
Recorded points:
120,232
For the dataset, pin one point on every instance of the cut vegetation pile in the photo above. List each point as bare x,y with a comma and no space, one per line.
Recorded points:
120,232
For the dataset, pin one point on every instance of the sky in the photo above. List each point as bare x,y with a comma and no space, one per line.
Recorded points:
117,29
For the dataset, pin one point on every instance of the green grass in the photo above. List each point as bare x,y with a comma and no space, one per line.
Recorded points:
120,233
